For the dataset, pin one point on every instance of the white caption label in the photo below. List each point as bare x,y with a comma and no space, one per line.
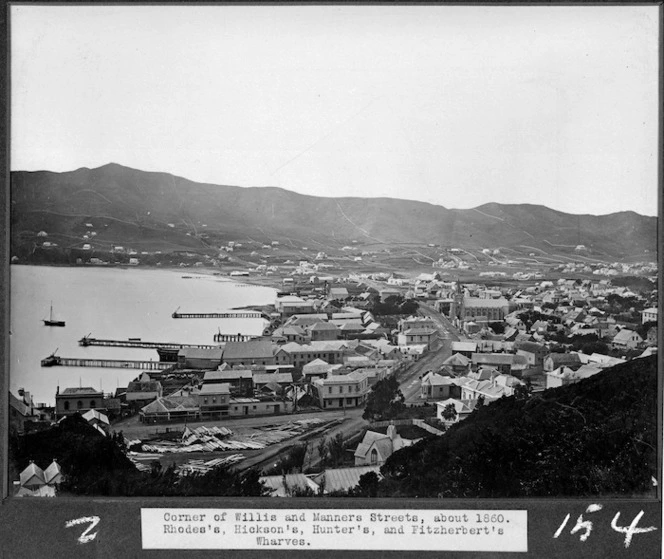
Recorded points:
371,529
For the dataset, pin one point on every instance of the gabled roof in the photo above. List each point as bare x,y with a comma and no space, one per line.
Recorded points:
201,353
367,441
530,347
625,335
559,359
315,366
20,406
32,476
323,327
171,404
226,374
351,327
329,345
419,332
461,406
214,388
266,378
493,358
464,346
254,349
457,360
150,386
53,474
353,377
94,415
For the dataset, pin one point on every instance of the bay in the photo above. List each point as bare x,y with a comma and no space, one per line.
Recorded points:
113,303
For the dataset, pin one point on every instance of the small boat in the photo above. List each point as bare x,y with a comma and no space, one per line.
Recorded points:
51,322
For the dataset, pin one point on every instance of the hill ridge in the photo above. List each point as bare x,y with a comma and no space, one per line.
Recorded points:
155,199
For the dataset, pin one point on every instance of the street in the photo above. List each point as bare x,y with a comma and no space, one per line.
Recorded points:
441,350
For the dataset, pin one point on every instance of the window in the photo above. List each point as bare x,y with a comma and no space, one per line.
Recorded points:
66,405
92,404
374,456
79,405
329,390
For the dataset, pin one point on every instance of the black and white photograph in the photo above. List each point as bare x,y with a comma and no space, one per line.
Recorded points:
334,251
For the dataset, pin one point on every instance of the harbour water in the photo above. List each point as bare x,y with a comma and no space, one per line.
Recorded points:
113,303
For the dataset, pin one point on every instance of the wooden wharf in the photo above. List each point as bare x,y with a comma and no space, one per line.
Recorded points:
219,337
54,360
87,341
217,315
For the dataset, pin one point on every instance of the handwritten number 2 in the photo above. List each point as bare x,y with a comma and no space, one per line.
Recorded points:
86,536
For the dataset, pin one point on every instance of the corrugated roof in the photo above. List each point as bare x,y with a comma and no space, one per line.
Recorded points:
342,479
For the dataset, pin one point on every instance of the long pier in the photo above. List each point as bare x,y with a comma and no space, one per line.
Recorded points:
234,337
87,341
54,361
217,315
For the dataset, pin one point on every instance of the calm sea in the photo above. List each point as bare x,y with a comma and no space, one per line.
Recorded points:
112,303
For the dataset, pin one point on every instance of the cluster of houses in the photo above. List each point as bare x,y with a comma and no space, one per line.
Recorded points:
325,359
503,350
568,308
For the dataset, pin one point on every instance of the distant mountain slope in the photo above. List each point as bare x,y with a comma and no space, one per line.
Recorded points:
596,437
142,204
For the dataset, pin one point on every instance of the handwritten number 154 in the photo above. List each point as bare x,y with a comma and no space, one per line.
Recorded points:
586,526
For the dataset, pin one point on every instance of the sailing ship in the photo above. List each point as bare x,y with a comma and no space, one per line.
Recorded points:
51,322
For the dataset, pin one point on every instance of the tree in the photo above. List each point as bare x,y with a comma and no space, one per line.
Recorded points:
385,400
336,448
322,450
497,327
449,412
522,391
368,485
480,401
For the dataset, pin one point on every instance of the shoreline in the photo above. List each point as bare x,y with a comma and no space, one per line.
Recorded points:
261,281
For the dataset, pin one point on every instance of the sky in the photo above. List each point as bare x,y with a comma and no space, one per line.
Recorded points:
452,105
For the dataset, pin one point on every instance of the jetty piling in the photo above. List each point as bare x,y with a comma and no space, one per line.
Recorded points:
57,361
